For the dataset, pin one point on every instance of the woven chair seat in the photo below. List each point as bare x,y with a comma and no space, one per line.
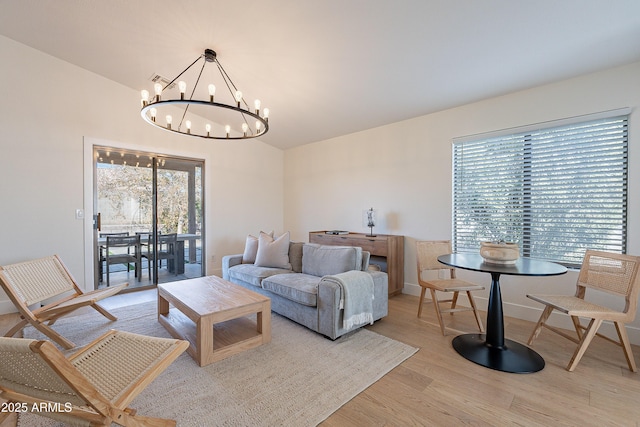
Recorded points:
574,306
90,297
453,285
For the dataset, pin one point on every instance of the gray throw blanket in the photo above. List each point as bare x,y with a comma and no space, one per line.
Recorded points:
356,297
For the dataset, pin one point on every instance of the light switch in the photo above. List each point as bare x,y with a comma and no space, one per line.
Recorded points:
79,214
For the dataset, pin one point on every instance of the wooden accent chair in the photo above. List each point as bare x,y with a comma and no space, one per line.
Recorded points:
614,274
47,279
427,256
93,386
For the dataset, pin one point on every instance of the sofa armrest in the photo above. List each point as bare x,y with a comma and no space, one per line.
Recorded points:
329,312
229,261
381,293
380,282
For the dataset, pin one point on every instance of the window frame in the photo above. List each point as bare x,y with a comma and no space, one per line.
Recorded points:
521,215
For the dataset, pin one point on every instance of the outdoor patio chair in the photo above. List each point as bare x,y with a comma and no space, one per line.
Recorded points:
118,251
102,255
94,386
615,274
47,279
427,253
167,250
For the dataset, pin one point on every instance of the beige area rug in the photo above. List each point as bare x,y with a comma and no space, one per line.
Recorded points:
298,379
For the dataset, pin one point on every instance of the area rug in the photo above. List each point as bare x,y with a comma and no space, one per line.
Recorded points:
298,379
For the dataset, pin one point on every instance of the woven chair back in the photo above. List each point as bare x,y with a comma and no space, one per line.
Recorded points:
615,274
24,370
427,253
36,280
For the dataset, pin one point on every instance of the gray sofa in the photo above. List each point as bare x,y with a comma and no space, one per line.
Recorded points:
319,286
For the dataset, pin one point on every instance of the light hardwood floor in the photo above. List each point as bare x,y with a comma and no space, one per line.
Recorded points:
437,387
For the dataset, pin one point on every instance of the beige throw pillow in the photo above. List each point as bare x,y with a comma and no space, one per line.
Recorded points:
273,252
251,249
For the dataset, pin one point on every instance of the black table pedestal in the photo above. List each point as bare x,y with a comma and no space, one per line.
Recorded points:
492,350
512,357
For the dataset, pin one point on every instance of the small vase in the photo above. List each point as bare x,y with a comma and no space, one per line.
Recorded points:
499,252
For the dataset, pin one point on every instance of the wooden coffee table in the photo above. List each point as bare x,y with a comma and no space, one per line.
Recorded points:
211,313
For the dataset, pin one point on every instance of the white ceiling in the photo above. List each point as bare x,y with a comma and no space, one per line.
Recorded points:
331,67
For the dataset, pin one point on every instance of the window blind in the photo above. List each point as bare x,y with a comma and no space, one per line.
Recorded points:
556,191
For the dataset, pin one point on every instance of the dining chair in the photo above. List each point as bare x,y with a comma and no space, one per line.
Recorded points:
427,253
611,273
93,386
145,239
43,290
167,250
102,257
118,251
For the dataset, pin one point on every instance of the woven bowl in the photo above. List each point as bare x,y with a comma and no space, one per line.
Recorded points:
499,253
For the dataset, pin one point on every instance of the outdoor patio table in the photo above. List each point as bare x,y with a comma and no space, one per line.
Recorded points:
101,241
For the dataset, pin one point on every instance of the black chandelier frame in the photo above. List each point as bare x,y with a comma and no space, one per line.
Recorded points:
157,102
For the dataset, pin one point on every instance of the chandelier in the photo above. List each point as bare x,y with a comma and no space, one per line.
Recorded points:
207,116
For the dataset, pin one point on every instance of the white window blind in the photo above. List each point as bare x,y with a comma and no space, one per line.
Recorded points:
556,191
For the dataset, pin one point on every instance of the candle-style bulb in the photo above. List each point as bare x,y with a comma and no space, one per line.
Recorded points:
245,128
188,123
265,114
208,128
227,129
153,113
168,122
158,88
257,105
238,97
183,88
258,126
145,97
212,92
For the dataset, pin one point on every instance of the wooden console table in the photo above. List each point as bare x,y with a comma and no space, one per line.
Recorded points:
386,247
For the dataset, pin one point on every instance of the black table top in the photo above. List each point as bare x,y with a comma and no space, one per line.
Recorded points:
522,267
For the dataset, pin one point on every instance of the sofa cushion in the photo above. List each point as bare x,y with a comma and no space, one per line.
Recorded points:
249,273
295,256
273,253
318,260
297,287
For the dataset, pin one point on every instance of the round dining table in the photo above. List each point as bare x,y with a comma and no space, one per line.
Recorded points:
492,349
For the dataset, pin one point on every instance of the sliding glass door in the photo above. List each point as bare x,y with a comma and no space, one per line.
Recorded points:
156,198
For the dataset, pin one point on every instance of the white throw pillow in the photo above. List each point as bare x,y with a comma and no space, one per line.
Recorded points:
273,253
251,249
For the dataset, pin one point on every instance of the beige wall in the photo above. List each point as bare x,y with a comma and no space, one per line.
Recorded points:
48,108
404,171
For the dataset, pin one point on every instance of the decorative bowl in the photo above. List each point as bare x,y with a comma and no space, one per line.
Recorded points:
505,253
